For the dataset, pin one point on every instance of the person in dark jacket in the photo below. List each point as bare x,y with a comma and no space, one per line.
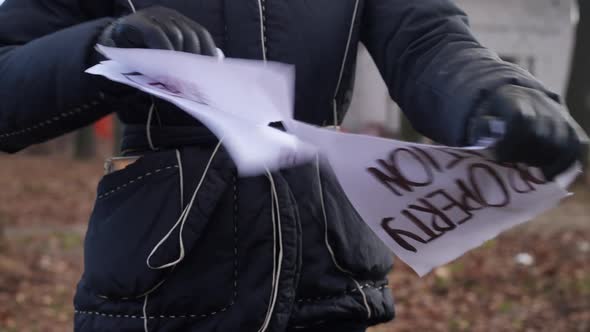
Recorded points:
176,241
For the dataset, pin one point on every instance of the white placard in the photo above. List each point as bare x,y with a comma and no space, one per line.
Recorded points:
430,204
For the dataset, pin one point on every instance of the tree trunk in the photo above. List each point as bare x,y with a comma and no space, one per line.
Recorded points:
407,132
84,145
578,93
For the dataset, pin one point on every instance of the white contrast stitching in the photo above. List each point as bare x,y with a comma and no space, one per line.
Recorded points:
95,313
135,180
262,13
235,181
54,119
322,298
265,38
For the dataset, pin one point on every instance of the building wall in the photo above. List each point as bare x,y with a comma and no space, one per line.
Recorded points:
371,105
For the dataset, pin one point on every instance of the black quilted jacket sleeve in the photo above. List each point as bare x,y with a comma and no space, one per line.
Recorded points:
44,48
434,67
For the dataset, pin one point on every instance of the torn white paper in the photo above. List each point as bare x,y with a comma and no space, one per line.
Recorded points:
235,99
244,88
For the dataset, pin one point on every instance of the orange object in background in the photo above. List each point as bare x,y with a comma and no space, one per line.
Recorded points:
103,128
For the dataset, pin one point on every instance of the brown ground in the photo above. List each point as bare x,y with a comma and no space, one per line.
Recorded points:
44,203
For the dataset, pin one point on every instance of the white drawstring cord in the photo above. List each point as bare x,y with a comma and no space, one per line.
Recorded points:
274,244
145,316
182,219
276,226
327,242
131,5
180,178
365,302
148,126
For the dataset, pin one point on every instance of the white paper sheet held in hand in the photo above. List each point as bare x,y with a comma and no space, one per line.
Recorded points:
236,99
429,204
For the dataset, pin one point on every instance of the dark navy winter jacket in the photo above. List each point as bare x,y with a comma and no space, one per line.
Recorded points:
332,268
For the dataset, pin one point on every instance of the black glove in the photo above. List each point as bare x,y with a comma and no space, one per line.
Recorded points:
531,128
153,28
158,28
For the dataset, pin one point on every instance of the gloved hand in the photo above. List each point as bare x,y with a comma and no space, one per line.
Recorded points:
530,128
158,28
153,28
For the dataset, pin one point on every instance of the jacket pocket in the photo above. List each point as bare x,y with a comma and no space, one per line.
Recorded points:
135,236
